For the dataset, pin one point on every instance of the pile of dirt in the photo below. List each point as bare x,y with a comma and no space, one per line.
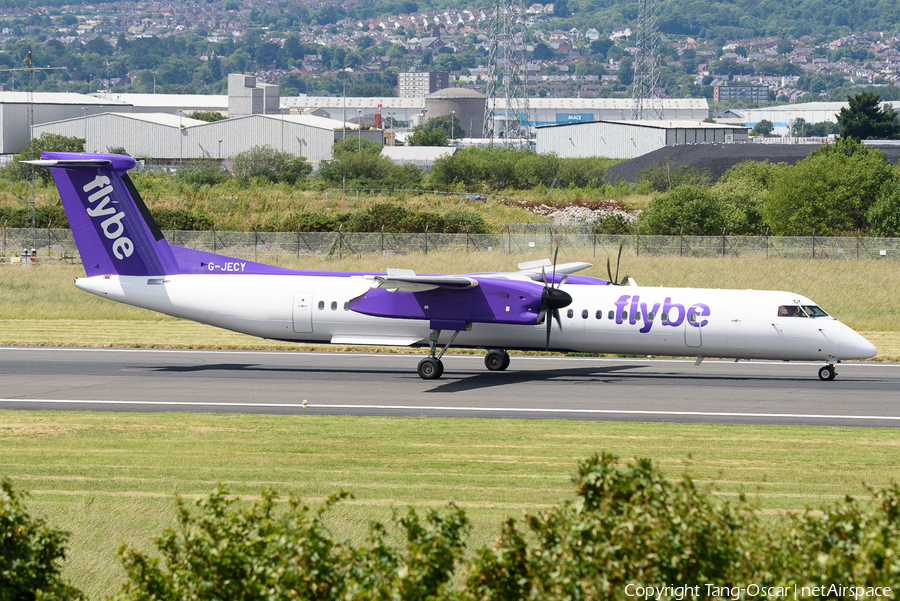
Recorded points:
716,159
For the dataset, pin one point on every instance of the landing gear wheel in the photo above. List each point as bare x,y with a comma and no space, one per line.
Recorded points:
430,368
496,360
827,373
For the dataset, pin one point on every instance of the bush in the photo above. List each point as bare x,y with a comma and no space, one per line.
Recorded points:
30,553
692,210
181,219
664,176
884,216
227,550
357,162
55,215
201,173
830,191
264,162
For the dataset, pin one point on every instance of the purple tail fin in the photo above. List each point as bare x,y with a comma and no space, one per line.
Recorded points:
112,226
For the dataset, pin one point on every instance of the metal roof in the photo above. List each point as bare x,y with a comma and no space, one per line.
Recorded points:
56,98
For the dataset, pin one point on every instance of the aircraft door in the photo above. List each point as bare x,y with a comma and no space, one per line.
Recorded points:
692,334
736,330
302,312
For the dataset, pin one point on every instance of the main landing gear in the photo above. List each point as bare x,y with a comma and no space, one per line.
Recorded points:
496,360
431,368
827,373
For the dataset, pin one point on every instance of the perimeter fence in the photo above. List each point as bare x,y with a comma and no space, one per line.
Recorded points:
53,244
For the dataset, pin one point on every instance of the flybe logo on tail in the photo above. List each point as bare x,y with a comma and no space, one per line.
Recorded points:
104,209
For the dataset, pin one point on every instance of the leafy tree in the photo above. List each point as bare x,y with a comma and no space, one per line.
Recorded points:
209,116
763,128
542,52
451,125
356,160
865,120
30,553
884,216
830,191
47,142
784,46
689,209
427,135
265,162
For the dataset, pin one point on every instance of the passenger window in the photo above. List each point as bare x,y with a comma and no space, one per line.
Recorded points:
651,316
347,306
321,305
570,314
334,305
637,316
584,314
612,315
693,318
599,314
665,317
624,315
790,311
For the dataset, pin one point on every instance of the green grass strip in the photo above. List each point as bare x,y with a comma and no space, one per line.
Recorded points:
109,478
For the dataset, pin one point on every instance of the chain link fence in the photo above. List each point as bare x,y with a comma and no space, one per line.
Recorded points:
574,242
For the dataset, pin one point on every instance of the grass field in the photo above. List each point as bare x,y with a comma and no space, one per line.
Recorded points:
109,478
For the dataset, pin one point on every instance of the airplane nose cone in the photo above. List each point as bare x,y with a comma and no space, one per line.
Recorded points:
855,346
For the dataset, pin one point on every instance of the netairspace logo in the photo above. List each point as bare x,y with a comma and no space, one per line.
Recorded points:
113,229
755,591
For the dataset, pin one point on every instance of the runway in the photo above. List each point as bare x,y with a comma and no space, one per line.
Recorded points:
386,384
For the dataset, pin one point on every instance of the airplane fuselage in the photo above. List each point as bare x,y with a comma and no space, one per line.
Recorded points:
633,320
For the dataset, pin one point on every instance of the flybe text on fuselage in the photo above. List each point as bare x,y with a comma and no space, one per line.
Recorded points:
672,314
99,205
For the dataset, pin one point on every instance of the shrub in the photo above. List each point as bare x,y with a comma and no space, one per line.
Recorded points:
227,550
201,173
30,553
830,191
692,210
181,219
665,175
264,162
884,216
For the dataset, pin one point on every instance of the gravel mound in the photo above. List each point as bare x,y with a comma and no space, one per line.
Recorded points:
719,158
583,215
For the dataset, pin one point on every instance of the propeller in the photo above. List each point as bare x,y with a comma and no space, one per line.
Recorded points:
553,299
615,281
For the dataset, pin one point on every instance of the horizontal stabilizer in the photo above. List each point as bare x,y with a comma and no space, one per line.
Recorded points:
69,164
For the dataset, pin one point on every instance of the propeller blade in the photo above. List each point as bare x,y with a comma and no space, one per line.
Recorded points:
558,320
542,315
619,259
549,323
609,272
544,275
563,280
555,254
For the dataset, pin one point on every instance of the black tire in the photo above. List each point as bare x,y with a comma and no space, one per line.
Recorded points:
827,373
494,360
430,368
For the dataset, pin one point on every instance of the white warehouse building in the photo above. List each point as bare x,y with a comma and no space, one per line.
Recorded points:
783,116
630,139
165,137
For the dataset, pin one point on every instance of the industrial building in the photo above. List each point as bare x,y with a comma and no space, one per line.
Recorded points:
48,106
165,138
629,139
783,117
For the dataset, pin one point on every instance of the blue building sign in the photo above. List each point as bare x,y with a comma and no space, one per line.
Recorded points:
574,117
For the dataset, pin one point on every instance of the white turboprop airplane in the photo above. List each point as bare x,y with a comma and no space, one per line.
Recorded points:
127,259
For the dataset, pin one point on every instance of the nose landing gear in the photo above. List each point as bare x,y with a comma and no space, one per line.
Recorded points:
827,373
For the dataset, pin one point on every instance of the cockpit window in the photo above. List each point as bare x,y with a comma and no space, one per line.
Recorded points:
790,311
801,311
814,311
